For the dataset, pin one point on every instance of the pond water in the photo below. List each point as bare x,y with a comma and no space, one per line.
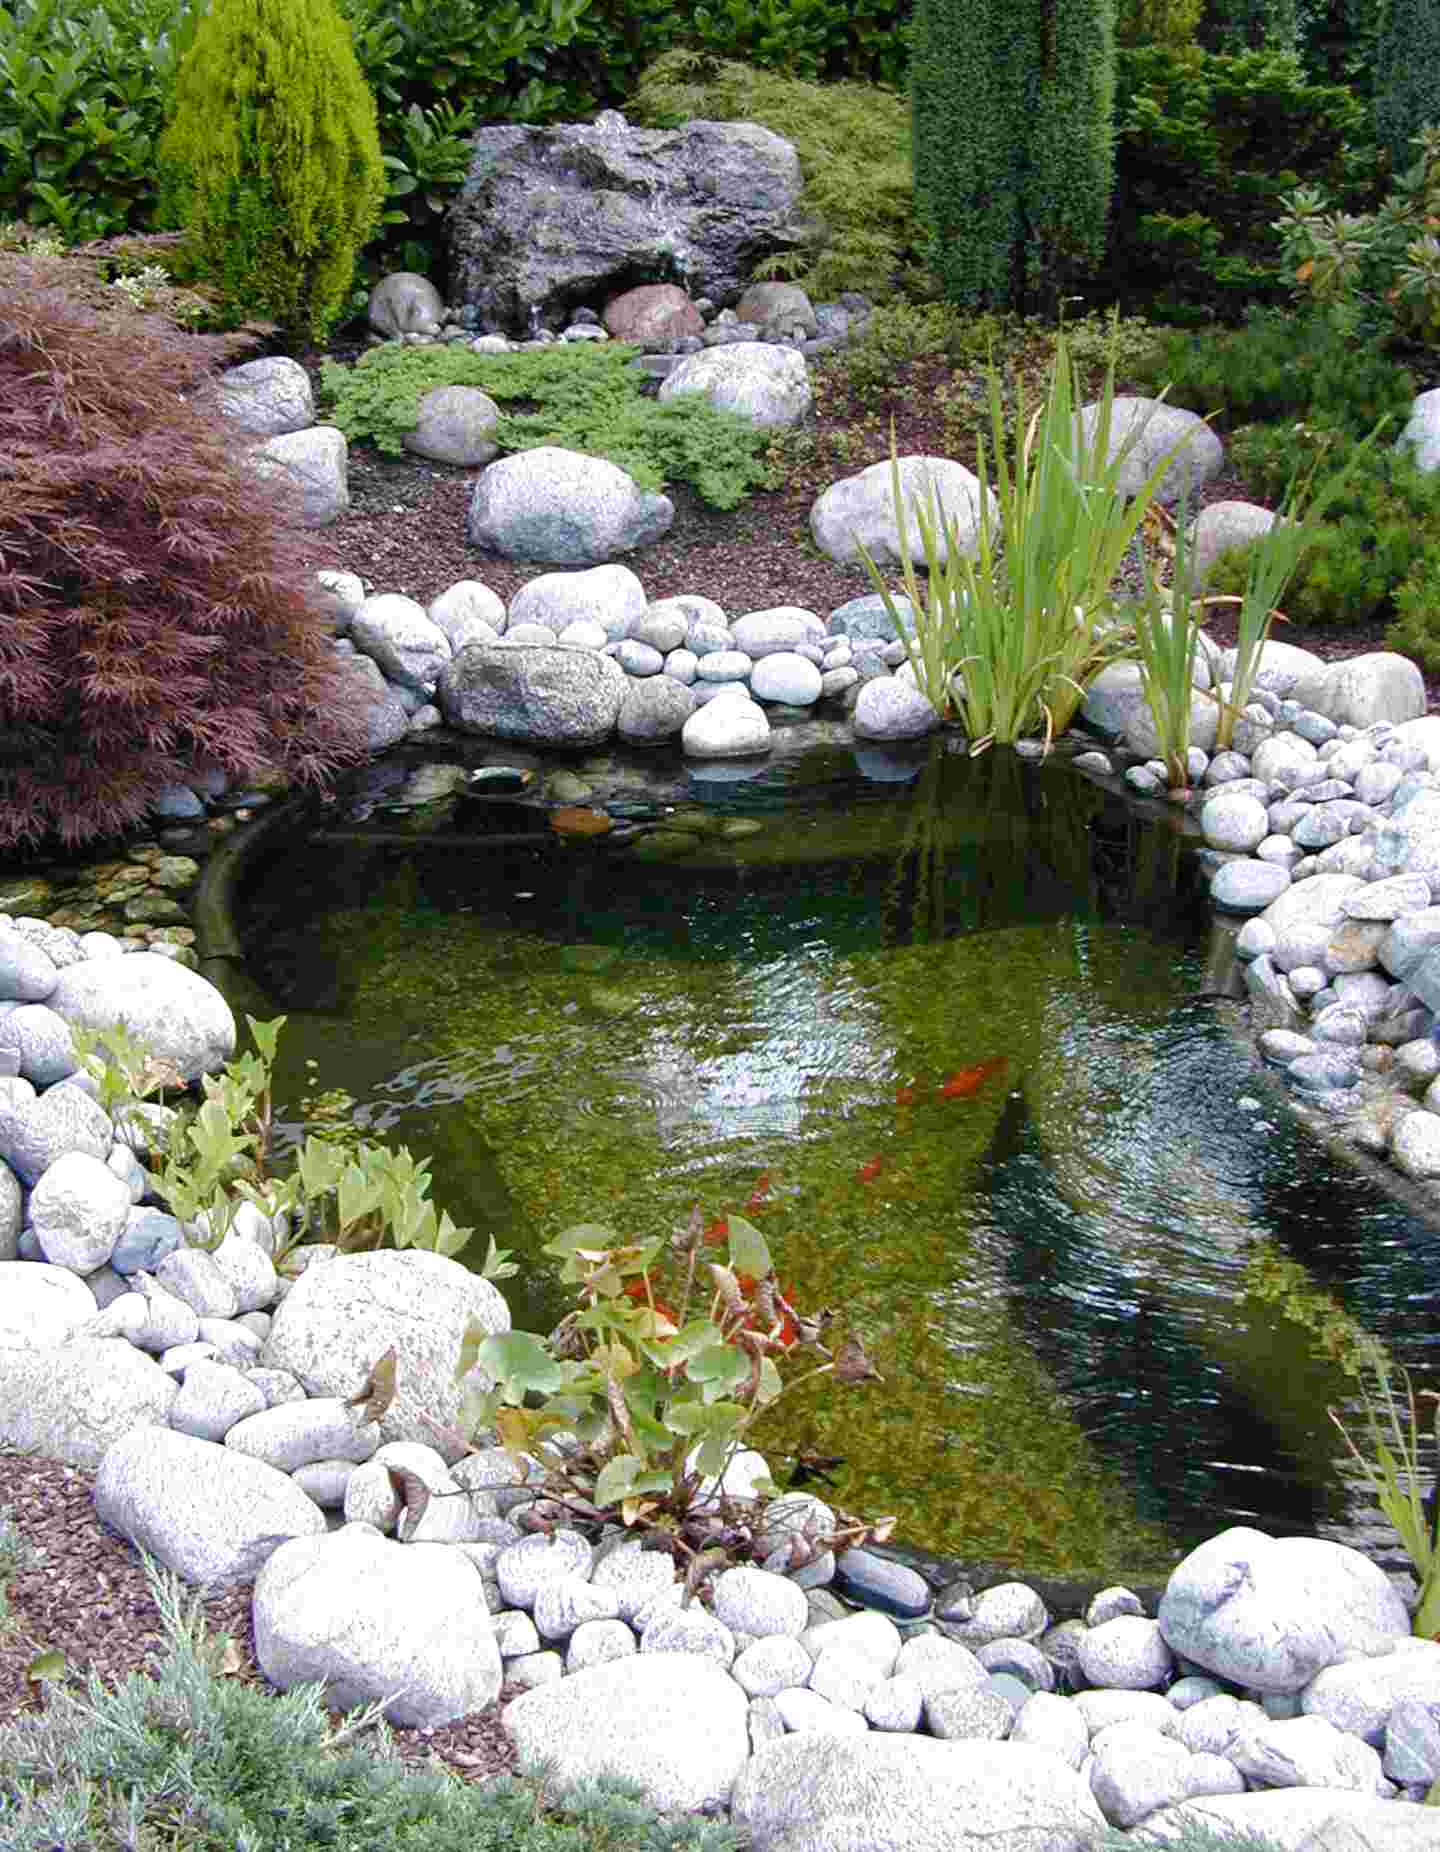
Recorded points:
954,1031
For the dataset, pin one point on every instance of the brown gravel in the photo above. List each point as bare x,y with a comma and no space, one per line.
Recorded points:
83,1593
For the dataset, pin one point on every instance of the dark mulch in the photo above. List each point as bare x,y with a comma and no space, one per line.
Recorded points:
84,1593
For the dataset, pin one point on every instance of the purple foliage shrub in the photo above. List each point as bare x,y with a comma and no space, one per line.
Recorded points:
158,609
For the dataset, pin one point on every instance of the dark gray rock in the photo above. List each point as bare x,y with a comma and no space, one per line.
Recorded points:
568,697
876,1582
549,218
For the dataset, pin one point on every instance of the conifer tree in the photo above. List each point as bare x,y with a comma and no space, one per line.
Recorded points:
1012,104
1407,77
271,159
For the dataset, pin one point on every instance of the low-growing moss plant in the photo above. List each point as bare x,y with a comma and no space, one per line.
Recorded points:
583,397
198,1760
638,1402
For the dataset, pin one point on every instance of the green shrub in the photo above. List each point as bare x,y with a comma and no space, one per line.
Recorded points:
1383,527
1012,107
204,1762
1407,76
440,68
1206,145
853,143
585,397
1278,366
817,41
83,95
1376,275
271,159
1157,22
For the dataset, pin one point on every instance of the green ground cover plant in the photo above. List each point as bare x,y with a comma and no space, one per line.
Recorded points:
584,398
200,1761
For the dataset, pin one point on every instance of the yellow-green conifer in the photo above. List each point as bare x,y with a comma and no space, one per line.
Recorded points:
271,159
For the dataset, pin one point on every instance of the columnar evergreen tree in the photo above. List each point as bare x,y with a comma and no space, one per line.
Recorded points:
1012,104
1407,77
271,159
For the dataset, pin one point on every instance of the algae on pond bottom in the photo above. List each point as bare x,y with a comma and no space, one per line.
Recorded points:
627,1099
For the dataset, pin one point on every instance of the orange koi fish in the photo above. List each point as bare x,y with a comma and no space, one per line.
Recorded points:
967,1081
869,1172
760,1195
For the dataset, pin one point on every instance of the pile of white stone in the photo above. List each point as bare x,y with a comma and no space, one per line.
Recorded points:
579,658
226,1409
1323,825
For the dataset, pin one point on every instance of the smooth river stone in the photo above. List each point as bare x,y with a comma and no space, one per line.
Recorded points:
1249,885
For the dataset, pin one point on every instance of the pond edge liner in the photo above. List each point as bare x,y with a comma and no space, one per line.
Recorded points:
219,950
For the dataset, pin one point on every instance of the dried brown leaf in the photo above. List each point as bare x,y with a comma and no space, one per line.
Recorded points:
377,1392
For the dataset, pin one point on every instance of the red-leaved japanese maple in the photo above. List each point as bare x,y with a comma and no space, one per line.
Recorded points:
159,611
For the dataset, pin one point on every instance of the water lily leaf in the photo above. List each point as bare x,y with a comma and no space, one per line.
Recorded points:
749,1253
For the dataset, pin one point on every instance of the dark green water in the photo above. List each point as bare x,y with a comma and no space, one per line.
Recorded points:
1048,1262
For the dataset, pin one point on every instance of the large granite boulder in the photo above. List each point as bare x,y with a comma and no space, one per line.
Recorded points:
71,1401
861,508
768,385
402,1624
564,508
550,695
177,1014
549,218
207,1512
809,1793
342,1315
674,1722
1270,1613
1148,431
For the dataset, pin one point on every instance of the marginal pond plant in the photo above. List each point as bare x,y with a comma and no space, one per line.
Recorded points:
641,1398
216,1154
1010,639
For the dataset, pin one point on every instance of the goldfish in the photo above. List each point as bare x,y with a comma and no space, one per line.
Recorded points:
760,1195
966,1081
869,1172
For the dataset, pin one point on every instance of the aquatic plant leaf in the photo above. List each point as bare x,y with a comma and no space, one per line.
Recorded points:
377,1392
749,1252
475,1335
582,1235
720,1367
414,1496
616,1478
521,1365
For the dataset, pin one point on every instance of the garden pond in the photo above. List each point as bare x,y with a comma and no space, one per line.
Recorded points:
955,1032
